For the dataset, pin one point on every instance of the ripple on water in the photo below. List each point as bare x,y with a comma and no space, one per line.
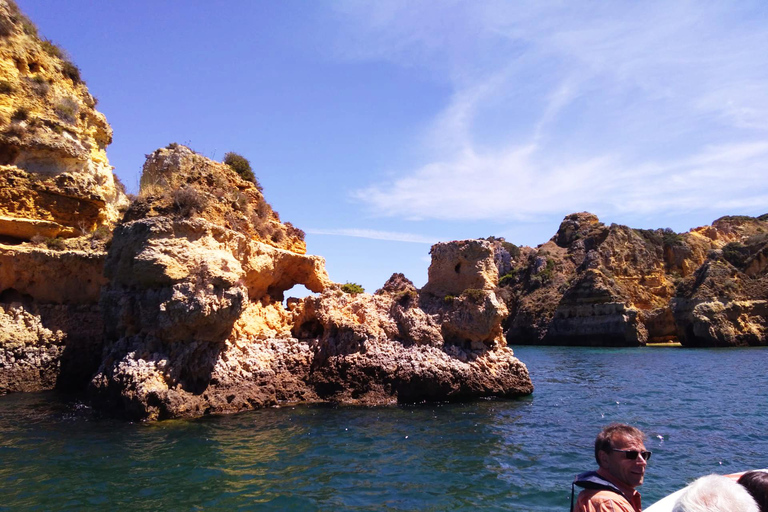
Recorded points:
704,411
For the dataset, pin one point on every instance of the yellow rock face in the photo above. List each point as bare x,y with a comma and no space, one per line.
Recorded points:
52,139
177,181
462,265
60,277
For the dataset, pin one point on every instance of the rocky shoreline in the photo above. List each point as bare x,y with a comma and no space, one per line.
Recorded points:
171,304
594,284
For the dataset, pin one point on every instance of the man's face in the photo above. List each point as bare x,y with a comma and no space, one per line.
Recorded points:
628,471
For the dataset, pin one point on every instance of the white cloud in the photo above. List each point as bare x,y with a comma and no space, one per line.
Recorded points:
376,235
610,107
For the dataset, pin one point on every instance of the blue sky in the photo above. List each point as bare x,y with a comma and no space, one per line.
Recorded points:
382,127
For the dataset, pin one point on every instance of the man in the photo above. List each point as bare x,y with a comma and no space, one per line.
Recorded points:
621,458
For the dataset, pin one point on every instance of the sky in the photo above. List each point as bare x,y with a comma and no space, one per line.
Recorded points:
380,128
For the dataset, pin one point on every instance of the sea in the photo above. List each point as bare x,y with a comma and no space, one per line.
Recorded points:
704,411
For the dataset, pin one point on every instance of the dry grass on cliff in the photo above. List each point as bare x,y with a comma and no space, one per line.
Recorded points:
189,200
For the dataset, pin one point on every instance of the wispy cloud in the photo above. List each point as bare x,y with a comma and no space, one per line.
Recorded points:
612,107
376,235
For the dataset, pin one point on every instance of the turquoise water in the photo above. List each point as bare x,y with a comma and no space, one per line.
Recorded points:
704,410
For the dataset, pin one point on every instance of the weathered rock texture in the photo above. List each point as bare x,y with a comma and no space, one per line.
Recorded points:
55,179
43,346
183,315
195,323
593,284
58,202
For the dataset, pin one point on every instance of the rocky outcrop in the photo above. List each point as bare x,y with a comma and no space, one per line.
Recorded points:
187,316
724,302
52,276
58,202
593,284
402,345
195,323
188,276
462,265
43,346
55,179
716,323
177,181
50,323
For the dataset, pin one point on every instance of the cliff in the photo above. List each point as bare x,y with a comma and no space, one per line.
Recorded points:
593,284
195,322
58,203
171,305
55,179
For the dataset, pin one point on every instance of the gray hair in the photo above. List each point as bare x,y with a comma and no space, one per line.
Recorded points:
715,493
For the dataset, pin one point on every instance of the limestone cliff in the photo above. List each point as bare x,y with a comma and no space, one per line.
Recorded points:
593,284
195,323
58,202
55,179
177,311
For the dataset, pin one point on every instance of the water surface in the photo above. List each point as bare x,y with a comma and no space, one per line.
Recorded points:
704,411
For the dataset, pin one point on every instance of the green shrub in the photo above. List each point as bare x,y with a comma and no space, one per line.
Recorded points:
508,278
512,249
670,238
56,244
263,227
38,85
544,275
71,71
293,231
5,87
405,296
736,254
735,218
352,288
474,294
67,110
548,269
278,236
242,167
665,237
449,299
28,27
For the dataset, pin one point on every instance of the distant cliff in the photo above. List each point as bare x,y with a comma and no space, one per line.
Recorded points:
594,284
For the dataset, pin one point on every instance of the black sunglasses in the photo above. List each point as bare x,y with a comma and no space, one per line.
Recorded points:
632,454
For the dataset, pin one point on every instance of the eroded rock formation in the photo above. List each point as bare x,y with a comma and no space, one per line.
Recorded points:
58,202
195,323
55,179
593,284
